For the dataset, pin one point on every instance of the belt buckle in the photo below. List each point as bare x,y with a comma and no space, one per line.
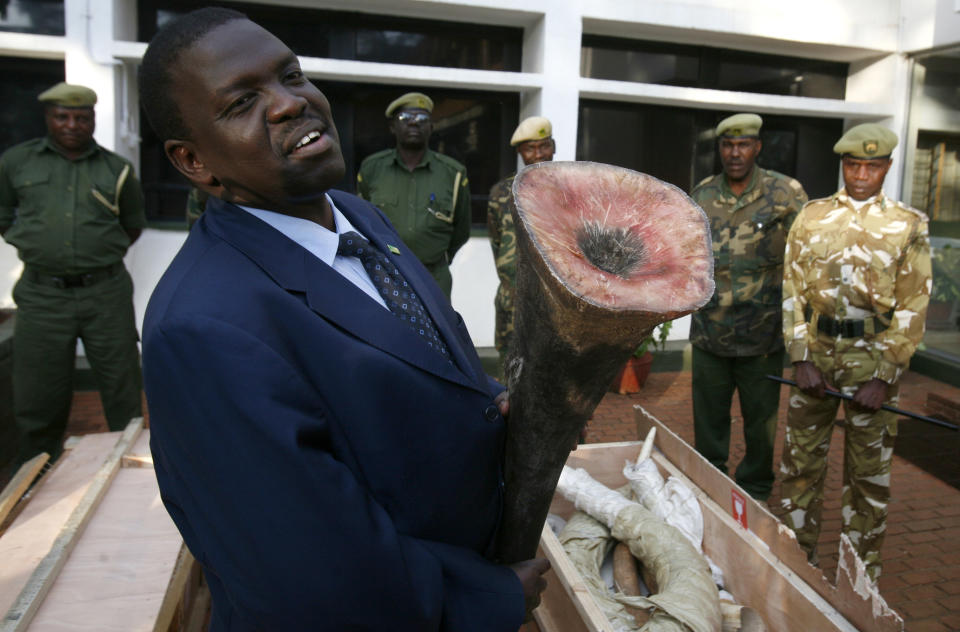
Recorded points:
59,282
76,280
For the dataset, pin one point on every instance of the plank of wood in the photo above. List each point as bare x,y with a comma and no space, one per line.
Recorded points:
136,460
198,611
19,615
782,543
139,454
175,589
33,531
118,574
566,605
20,483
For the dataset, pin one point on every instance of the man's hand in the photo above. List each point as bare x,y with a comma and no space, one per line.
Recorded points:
871,395
503,403
809,379
530,573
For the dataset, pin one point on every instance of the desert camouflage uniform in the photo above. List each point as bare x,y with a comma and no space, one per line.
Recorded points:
503,241
870,265
736,337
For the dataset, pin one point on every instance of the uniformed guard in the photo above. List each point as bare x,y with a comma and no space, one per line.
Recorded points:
855,291
71,209
736,337
424,193
533,140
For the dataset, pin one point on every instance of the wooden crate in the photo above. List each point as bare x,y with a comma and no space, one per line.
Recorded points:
762,563
93,548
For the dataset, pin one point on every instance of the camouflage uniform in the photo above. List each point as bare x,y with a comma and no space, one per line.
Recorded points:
869,268
196,203
503,241
736,337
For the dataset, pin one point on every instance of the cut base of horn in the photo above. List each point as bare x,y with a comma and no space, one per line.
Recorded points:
605,254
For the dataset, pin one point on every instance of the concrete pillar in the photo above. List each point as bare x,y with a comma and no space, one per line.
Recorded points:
885,80
91,27
551,47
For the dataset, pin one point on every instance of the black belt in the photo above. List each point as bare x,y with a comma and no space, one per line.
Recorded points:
848,327
64,281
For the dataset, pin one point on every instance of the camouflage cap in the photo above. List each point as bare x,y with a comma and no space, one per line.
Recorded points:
740,125
531,128
69,96
410,100
867,141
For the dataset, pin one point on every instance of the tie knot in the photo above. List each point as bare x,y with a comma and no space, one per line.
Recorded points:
352,244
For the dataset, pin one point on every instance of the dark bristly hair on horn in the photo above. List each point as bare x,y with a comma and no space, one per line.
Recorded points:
614,250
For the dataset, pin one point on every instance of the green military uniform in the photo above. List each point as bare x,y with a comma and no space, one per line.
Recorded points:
503,241
855,293
68,221
736,337
196,204
429,206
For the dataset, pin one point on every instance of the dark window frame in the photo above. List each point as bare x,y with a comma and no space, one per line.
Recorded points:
793,71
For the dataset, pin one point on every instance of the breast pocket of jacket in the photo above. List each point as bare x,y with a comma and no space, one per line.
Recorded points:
439,212
765,239
32,188
386,202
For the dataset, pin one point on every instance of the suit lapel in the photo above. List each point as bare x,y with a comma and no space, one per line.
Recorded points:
329,294
368,220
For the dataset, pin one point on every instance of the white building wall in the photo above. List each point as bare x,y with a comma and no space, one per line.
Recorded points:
874,35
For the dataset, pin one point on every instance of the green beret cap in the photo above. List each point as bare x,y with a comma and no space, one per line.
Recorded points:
416,100
69,96
740,125
531,128
866,141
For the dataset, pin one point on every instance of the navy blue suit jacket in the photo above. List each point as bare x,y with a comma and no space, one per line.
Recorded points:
327,468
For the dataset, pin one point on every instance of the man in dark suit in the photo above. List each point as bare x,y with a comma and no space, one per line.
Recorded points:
331,465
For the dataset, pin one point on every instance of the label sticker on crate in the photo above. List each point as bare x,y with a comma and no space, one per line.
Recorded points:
738,507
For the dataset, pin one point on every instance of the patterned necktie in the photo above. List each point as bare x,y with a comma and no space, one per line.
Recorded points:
394,289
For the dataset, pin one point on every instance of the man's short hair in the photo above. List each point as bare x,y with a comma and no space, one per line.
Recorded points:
163,53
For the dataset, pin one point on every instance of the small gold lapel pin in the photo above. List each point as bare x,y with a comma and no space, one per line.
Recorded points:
393,249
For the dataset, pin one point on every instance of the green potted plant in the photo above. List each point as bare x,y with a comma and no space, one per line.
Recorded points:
946,286
634,373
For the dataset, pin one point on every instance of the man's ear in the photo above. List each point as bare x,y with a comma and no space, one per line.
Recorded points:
184,157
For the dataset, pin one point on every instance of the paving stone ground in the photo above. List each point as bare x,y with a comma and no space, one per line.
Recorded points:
921,569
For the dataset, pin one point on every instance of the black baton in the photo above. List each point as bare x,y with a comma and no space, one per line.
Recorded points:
892,409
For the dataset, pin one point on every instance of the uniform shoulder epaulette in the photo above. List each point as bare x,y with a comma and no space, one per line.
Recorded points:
115,160
784,180
906,207
24,146
823,200
450,162
702,183
377,156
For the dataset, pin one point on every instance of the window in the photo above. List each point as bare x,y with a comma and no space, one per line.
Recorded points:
365,37
705,67
932,182
41,17
678,145
21,80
